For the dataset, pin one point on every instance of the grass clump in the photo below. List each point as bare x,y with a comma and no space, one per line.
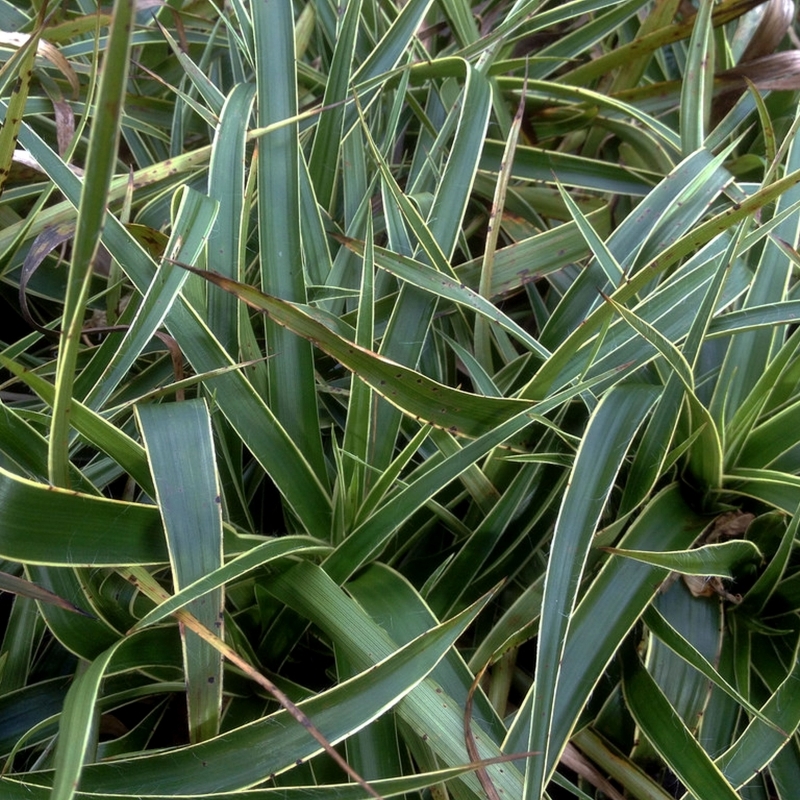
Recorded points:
401,400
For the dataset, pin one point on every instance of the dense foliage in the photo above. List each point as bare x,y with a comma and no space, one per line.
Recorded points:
419,379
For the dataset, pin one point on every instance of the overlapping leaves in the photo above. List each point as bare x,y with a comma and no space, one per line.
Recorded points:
484,319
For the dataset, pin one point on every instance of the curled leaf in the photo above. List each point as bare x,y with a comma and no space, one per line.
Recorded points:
48,51
716,560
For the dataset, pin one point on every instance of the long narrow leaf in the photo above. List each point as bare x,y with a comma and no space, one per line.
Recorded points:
228,761
661,725
599,458
291,368
412,392
99,169
181,453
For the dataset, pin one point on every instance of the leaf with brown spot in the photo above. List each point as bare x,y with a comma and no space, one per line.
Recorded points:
153,241
22,61
413,393
44,244
25,588
45,50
